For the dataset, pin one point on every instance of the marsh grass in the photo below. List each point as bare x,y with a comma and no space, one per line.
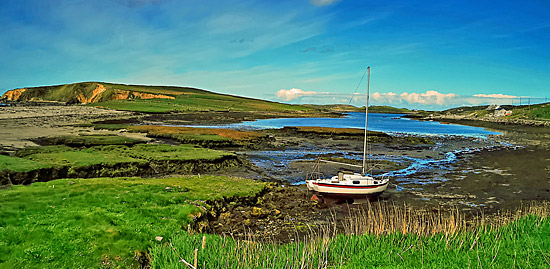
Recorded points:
53,162
206,137
194,132
61,155
89,140
16,164
383,235
111,222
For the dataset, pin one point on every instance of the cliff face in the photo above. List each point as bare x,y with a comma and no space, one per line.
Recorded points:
96,95
84,93
124,95
13,95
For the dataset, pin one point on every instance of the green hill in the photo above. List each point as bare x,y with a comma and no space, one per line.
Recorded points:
152,99
387,109
533,112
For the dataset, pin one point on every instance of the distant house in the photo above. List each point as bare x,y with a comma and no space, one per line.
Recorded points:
500,112
492,107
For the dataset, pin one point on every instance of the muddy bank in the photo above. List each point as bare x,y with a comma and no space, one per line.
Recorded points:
485,183
127,169
279,214
473,175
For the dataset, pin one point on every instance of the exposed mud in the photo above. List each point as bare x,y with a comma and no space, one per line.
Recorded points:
473,175
470,174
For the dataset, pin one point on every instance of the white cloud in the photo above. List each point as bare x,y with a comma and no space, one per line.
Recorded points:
499,95
288,95
388,98
429,97
436,100
321,3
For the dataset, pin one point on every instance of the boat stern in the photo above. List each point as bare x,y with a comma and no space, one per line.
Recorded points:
309,184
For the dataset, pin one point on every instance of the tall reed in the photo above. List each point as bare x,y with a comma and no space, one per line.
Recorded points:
378,234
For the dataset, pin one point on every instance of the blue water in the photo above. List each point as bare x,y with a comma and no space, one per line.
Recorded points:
388,123
418,171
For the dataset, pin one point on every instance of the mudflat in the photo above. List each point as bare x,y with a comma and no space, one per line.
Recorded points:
451,172
20,124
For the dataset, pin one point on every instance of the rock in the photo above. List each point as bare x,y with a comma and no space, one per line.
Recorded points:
258,212
225,216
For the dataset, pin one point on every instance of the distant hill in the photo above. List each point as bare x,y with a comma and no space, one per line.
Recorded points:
162,99
534,112
152,99
336,108
388,109
94,92
350,108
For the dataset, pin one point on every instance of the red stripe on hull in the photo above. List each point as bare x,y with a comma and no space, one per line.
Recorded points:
348,187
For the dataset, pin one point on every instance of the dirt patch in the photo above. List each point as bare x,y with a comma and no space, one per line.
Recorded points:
21,124
279,214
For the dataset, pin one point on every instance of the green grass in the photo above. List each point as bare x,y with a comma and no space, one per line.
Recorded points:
107,161
205,137
387,109
87,223
59,156
201,102
90,140
16,164
536,112
523,243
169,152
65,156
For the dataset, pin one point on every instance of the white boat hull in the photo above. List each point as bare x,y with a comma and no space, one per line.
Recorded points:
354,185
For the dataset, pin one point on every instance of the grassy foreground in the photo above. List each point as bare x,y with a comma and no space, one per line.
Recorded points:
88,223
380,238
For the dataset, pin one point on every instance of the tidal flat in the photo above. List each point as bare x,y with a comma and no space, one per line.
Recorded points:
428,173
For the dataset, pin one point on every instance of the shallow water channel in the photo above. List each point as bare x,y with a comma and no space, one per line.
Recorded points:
411,167
416,166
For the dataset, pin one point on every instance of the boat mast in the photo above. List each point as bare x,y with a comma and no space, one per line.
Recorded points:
366,121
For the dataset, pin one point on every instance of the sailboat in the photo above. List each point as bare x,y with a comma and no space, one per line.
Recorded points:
349,185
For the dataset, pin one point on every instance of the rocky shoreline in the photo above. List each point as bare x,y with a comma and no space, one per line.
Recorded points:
493,120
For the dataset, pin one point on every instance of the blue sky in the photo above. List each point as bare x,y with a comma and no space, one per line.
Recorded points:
423,54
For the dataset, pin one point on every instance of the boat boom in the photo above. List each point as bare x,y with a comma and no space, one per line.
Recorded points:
348,164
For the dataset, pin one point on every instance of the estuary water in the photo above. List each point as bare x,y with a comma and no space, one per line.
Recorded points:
422,165
387,123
